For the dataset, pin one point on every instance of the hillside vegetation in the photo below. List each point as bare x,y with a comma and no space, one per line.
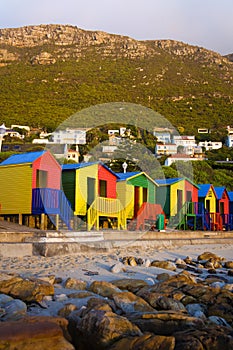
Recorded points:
50,72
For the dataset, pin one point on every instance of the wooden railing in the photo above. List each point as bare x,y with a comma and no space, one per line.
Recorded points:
109,207
52,202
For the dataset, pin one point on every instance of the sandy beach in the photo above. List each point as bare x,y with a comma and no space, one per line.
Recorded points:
96,266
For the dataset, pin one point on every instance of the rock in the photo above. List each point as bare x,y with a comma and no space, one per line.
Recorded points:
66,310
188,299
196,310
222,307
228,265
104,289
164,322
218,285
146,341
180,261
230,272
43,58
50,278
99,329
147,263
104,304
167,265
208,338
132,285
117,268
28,290
228,286
14,310
60,297
35,333
4,299
165,303
219,321
163,276
72,283
208,255
129,302
132,261
80,295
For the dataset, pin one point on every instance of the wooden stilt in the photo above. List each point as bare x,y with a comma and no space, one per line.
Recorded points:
42,221
57,221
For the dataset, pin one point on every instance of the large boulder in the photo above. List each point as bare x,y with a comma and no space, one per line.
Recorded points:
99,328
73,283
209,255
129,302
164,322
26,289
146,341
14,310
132,285
34,333
167,265
104,289
207,338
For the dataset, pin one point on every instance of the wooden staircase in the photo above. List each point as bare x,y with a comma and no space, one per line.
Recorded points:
106,207
54,203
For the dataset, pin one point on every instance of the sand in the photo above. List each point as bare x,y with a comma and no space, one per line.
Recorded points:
96,266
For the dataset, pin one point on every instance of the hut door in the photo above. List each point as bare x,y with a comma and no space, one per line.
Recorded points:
144,195
90,190
136,200
189,196
179,200
208,205
221,208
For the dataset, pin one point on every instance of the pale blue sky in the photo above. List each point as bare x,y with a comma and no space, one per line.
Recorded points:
206,23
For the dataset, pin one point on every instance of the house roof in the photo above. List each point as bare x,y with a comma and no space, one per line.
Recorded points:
74,166
230,194
22,158
171,181
204,189
83,165
219,191
130,175
125,176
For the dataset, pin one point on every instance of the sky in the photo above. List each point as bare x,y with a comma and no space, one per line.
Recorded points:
205,23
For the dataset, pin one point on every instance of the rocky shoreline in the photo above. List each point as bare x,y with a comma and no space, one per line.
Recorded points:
180,303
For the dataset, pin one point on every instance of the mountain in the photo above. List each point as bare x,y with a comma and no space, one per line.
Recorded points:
230,57
49,72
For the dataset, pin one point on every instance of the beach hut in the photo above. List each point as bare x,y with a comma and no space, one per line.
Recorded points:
171,195
30,185
208,198
137,194
91,189
223,205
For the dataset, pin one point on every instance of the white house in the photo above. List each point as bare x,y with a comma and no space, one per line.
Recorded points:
187,142
165,148
164,136
210,145
179,157
70,136
229,141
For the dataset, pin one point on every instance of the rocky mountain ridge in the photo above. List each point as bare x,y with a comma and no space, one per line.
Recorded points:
66,41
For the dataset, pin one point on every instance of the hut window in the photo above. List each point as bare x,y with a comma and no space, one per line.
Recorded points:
103,188
41,178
